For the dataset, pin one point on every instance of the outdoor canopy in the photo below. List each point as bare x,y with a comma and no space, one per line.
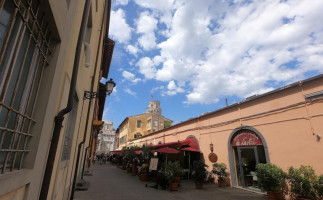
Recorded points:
189,142
167,150
190,149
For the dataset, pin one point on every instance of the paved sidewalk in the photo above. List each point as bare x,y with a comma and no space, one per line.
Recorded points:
110,182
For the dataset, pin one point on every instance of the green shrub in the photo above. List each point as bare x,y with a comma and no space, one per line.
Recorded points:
172,170
270,177
318,187
199,171
220,170
301,180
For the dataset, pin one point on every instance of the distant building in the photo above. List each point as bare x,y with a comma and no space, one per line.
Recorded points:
106,138
140,125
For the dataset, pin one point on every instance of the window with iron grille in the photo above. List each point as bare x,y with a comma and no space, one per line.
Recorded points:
24,47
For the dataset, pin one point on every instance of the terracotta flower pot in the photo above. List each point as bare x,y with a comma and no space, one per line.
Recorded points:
143,177
274,195
134,172
222,183
198,185
173,186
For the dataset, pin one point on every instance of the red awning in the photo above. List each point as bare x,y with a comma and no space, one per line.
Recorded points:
138,152
189,142
167,150
118,152
190,149
168,144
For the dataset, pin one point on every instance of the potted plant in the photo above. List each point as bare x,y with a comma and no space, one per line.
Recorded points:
173,171
220,170
145,153
199,173
318,187
301,182
134,169
143,172
271,178
161,179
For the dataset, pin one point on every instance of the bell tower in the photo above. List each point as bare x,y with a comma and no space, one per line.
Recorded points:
154,107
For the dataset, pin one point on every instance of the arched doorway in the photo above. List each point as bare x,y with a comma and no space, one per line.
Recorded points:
247,148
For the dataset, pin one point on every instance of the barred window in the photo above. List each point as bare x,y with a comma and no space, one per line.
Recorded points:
24,47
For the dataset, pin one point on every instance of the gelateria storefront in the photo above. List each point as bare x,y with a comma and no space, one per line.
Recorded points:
247,148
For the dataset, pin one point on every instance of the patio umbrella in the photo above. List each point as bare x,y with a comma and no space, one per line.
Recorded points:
167,150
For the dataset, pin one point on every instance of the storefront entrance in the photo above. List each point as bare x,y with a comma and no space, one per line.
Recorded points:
247,151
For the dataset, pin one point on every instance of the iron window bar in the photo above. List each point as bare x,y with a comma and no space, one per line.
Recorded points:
23,56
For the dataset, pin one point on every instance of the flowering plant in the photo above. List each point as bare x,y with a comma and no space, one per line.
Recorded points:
144,168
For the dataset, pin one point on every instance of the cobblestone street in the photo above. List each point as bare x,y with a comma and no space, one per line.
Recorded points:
110,182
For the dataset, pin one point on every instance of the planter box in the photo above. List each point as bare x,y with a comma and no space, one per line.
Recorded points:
143,177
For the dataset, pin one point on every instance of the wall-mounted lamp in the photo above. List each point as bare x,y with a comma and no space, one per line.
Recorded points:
109,88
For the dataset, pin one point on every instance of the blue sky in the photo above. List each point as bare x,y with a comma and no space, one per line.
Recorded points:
191,55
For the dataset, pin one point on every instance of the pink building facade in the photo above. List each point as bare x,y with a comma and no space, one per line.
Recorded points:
283,127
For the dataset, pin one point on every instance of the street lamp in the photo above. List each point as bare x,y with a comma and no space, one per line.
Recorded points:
109,85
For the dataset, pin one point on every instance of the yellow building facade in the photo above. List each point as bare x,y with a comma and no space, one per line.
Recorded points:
49,52
137,126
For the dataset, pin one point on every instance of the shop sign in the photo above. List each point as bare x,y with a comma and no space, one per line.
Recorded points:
213,157
246,139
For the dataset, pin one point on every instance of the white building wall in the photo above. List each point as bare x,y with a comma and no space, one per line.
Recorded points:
106,138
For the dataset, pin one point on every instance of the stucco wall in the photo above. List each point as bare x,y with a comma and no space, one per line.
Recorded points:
53,92
281,117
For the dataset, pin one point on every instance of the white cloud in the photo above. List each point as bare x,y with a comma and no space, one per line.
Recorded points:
147,67
121,2
132,49
146,25
147,41
173,88
162,7
130,92
213,49
156,89
119,29
130,77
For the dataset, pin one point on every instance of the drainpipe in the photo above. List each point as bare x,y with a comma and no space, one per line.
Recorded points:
60,116
106,7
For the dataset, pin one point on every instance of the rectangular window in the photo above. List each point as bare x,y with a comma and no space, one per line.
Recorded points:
68,137
155,123
24,47
138,124
149,123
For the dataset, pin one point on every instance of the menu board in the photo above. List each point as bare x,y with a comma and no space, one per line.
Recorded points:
153,164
